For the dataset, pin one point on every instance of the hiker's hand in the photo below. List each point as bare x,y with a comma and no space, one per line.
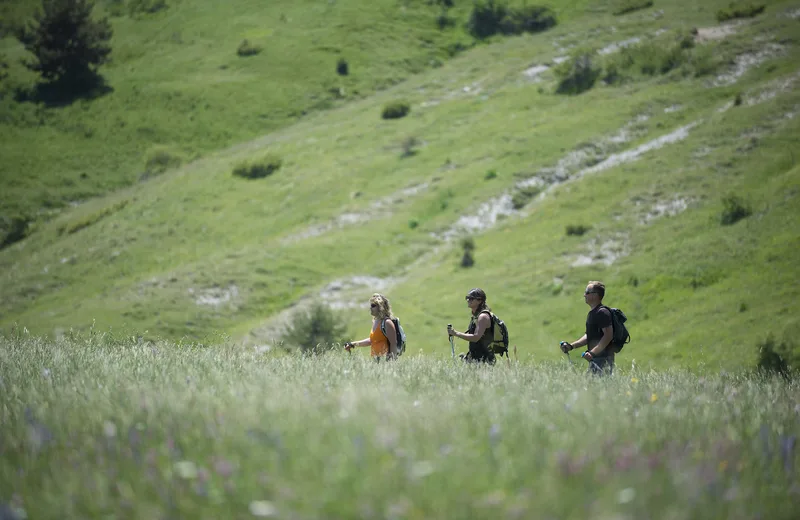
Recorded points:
587,356
348,346
565,346
451,331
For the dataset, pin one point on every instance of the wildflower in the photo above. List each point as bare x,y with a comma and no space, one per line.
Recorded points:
109,429
186,469
626,496
723,466
634,380
653,398
262,508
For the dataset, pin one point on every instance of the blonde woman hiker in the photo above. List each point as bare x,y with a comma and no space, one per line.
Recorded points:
382,338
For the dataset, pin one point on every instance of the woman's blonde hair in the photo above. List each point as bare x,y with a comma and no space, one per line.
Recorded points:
384,307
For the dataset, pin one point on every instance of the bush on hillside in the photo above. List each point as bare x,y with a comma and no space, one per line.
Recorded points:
522,196
490,17
395,110
68,45
629,6
247,49
740,10
342,67
777,358
160,159
577,74
136,7
577,230
258,168
663,56
734,210
3,68
315,330
468,246
409,146
13,229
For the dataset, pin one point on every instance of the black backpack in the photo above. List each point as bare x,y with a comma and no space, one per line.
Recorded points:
621,335
499,343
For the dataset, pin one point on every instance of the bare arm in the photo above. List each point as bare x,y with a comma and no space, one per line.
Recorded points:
579,343
483,323
391,335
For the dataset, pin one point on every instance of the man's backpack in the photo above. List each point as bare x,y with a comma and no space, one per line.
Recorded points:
621,335
499,343
401,335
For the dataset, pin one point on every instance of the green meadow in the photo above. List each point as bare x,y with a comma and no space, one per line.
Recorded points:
98,426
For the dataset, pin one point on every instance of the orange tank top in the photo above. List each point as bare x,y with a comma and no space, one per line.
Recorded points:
379,342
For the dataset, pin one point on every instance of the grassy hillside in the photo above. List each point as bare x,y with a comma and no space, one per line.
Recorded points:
176,89
105,427
647,165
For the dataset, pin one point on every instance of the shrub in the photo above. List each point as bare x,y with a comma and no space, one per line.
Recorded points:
522,196
258,168
160,159
3,68
660,57
146,6
67,44
734,210
468,244
578,74
314,330
491,174
490,17
247,49
395,110
776,358
413,223
629,6
409,146
577,230
467,260
12,230
740,10
342,68
444,20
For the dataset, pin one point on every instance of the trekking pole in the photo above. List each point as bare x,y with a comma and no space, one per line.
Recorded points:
452,344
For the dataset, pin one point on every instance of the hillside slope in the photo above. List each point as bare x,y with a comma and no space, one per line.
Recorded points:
646,166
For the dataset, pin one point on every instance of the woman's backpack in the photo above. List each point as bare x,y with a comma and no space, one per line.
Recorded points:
499,343
401,335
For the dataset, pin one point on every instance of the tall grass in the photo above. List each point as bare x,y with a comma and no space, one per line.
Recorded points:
104,426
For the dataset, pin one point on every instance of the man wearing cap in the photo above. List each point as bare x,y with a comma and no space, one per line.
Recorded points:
479,333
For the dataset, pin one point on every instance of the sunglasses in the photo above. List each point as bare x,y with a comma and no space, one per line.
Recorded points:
589,292
373,305
470,298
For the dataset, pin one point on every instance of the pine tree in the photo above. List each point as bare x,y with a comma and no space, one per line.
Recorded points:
67,43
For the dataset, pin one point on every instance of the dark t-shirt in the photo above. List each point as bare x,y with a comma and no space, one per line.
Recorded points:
597,319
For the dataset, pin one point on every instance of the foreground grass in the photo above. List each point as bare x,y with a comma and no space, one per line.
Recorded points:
98,426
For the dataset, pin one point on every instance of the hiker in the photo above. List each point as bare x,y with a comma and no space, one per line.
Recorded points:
383,337
479,334
599,332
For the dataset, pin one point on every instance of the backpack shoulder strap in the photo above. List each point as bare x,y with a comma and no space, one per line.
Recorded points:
491,319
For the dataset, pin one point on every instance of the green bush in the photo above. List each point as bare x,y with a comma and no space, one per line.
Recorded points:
342,67
577,230
160,159
136,7
490,17
740,10
522,196
777,358
13,229
395,110
247,49
258,168
662,56
629,6
315,330
491,174
577,74
734,210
